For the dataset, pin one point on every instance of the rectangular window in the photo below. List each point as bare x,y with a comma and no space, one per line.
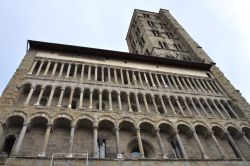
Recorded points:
169,35
146,15
156,33
151,23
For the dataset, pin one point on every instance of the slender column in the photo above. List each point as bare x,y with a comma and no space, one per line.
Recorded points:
163,153
185,102
183,151
219,147
234,146
216,107
155,106
110,101
184,82
168,80
194,83
68,71
204,154
134,78
39,96
54,69
100,100
202,107
140,143
82,72
118,149
96,69
209,86
115,75
137,103
172,78
179,82
61,97
164,83
194,106
102,74
95,145
40,68
128,79
119,101
20,138
75,71
157,81
71,140
90,99
145,103
224,109
71,97
163,105
1,131
171,105
89,73
81,98
33,67
237,117
213,86
209,107
218,86
61,70
109,75
46,140
190,84
29,95
47,68
179,105
198,82
140,79
203,83
129,103
152,80
146,79
246,139
121,73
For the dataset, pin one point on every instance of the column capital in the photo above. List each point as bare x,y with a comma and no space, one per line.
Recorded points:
62,88
73,126
138,130
26,124
49,125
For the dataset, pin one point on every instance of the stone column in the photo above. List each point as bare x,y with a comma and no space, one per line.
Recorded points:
115,75
179,82
61,97
209,86
157,81
109,75
163,153
184,82
219,147
140,143
100,100
179,105
202,107
137,103
46,140
145,103
164,83
237,117
20,139
206,87
61,70
246,139
154,104
234,146
81,98
218,110
89,73
39,96
30,94
102,74
110,101
90,99
190,84
1,131
201,87
128,78
129,103
209,107
119,101
95,145
118,149
121,73
68,71
197,111
224,109
40,68
185,156
82,72
71,140
218,86
146,79
185,102
96,69
163,105
134,78
140,79
171,105
194,83
170,84
33,67
204,154
47,68
75,71
54,69
174,82
71,97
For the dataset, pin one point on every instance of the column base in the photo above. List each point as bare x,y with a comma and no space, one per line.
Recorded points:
37,104
142,156
69,155
119,156
205,156
165,156
42,154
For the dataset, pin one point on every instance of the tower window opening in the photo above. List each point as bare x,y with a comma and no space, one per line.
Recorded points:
156,33
135,153
157,17
101,147
151,23
162,44
169,35
146,15
43,102
8,144
73,104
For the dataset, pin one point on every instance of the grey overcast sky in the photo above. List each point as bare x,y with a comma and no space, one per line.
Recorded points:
221,27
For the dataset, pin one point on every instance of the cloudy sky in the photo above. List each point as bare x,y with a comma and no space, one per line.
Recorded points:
221,27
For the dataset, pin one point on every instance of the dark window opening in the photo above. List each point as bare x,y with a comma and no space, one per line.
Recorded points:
8,144
234,150
73,104
136,153
43,102
101,147
134,108
146,15
176,148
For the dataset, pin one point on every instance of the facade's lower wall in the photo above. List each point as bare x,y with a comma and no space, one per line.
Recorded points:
47,162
